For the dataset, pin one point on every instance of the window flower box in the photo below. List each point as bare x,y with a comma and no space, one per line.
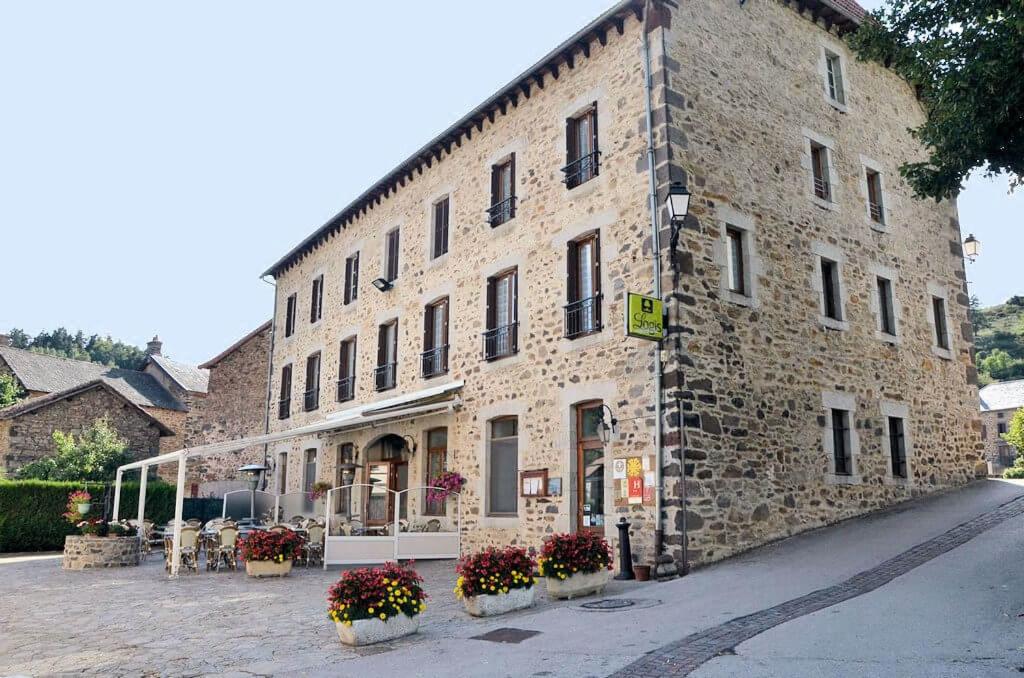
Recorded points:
495,581
575,565
374,604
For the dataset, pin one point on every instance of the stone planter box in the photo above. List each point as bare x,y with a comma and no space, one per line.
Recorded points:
267,568
579,584
83,552
370,631
491,605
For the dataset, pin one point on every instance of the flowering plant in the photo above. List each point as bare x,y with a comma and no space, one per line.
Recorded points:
445,484
91,526
563,555
275,546
376,593
318,490
74,499
122,529
494,571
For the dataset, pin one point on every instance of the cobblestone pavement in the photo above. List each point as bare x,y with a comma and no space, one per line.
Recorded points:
684,656
134,621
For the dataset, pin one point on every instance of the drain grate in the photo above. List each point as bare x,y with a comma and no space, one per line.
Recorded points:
506,635
609,604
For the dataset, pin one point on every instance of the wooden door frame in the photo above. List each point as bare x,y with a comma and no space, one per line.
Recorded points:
392,486
581,445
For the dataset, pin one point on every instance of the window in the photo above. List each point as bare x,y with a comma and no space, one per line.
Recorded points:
503,192
841,442
387,355
875,207
583,273
820,171
439,232
941,333
316,302
343,477
984,432
503,467
581,154
1001,428
284,404
312,395
282,472
734,258
347,370
437,449
834,78
886,314
832,305
501,337
351,278
435,339
309,471
897,447
289,316
391,256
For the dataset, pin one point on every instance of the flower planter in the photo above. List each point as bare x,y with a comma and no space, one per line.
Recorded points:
370,631
579,584
500,603
83,508
642,572
268,568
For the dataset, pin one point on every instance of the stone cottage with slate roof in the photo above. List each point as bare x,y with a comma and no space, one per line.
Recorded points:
999,402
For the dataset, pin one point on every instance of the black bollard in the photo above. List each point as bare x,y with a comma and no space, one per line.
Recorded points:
625,553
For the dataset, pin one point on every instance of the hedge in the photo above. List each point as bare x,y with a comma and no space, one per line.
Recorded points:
31,511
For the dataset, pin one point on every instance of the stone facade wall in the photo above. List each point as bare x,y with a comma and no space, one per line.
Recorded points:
997,452
84,552
30,436
737,91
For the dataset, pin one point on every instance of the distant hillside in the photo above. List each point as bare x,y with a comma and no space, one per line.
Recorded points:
95,349
999,340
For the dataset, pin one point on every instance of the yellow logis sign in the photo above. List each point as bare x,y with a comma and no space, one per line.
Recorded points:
644,317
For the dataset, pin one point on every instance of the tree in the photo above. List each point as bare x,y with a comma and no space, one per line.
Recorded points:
10,390
1015,436
964,58
979,320
94,456
61,343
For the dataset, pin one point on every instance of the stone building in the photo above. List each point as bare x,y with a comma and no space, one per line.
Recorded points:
817,363
999,402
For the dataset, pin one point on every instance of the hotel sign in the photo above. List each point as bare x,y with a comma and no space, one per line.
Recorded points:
644,317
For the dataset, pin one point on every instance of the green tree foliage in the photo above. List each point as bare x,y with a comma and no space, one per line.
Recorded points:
94,456
10,390
965,59
97,349
1015,436
999,340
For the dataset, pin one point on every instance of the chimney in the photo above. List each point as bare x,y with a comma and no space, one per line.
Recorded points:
154,346
5,340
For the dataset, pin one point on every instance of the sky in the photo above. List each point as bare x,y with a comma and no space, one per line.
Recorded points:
155,158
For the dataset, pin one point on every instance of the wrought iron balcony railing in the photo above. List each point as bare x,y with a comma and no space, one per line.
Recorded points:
434,362
581,170
501,341
384,376
822,189
346,388
583,317
284,408
500,212
876,212
311,399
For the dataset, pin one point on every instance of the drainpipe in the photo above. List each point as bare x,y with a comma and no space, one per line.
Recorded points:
652,200
270,378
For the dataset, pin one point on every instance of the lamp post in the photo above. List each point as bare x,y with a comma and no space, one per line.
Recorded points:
253,473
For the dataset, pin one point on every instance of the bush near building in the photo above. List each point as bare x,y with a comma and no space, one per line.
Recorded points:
31,511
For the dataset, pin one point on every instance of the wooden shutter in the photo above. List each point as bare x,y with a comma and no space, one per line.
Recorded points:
593,134
596,275
286,382
495,183
344,366
355,276
491,314
514,315
347,292
382,345
444,333
512,185
572,151
428,328
572,271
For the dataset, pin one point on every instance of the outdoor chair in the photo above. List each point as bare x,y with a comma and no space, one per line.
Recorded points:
224,548
281,527
194,522
189,549
314,545
433,525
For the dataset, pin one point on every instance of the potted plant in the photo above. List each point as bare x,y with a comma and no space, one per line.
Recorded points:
270,554
444,485
373,604
495,581
79,504
121,529
319,490
575,564
90,527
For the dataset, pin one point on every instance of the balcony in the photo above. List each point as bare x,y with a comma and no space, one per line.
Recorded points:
822,189
434,362
500,212
346,388
311,399
581,170
583,317
384,376
284,408
876,212
501,342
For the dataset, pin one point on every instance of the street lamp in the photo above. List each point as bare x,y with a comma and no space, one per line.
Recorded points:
677,202
972,248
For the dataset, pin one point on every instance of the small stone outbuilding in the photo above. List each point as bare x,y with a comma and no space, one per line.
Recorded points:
999,402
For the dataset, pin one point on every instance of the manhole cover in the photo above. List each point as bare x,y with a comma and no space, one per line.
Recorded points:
506,635
609,604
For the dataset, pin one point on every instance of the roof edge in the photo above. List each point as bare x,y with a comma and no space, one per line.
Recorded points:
212,362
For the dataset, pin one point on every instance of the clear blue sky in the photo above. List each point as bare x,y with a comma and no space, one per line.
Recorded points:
155,158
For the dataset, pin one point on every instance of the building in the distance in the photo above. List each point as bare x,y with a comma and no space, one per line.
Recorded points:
470,304
999,402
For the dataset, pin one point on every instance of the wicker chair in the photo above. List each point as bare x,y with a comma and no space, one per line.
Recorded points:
224,548
281,527
189,549
314,545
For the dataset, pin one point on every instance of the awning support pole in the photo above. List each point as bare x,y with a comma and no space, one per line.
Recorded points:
117,494
179,509
142,495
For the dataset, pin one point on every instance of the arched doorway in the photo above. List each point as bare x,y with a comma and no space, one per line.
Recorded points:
387,468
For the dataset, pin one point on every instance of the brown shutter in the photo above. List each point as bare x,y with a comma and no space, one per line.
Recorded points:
593,133
428,328
343,367
382,346
515,310
596,275
572,151
572,272
491,313
512,185
495,183
394,349
355,277
444,334
346,294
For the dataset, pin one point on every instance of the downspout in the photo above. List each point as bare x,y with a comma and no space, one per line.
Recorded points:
270,378
652,200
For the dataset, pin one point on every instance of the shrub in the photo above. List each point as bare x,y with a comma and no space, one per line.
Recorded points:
564,555
31,511
494,571
94,455
275,546
376,592
1015,472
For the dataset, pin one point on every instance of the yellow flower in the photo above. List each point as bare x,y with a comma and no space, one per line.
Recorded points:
370,610
347,622
383,616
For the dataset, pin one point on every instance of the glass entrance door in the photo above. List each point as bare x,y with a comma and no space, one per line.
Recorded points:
590,510
380,503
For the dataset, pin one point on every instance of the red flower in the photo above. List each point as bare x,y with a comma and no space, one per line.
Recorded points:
567,554
277,546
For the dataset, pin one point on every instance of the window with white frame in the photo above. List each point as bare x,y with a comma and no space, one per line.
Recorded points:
842,456
897,447
834,86
439,227
503,467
